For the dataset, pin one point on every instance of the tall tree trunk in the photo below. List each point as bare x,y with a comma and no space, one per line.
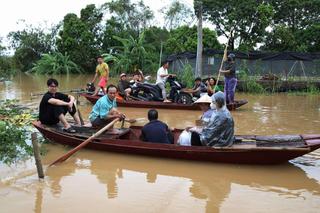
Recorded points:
200,45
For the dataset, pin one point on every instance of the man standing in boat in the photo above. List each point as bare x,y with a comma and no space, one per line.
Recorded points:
102,70
54,106
230,80
162,75
105,109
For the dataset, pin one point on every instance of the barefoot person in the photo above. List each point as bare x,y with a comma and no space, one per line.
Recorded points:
162,75
105,109
102,70
54,106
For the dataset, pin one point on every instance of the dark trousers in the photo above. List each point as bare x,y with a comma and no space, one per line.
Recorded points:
98,122
195,139
230,85
53,113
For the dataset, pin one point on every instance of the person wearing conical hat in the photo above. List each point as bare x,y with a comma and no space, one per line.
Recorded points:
204,103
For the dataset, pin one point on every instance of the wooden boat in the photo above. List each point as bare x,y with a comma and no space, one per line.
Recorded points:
158,104
247,150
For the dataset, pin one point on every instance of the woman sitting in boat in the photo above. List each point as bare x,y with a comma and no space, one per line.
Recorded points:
212,87
156,131
219,132
204,102
105,109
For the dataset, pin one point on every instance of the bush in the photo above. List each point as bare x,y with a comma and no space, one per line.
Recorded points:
187,76
14,132
55,63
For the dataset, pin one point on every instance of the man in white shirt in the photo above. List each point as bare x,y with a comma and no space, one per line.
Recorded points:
162,75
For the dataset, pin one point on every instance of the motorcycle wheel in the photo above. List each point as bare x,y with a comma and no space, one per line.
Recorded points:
183,98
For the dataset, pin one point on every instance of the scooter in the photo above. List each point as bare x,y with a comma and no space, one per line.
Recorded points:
152,92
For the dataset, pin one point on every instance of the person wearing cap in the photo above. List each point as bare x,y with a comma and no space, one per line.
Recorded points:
124,86
219,131
230,80
102,70
199,88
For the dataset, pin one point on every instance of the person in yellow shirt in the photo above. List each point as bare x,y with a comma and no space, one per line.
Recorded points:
102,70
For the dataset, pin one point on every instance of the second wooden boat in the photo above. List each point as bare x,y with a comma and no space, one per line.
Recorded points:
159,105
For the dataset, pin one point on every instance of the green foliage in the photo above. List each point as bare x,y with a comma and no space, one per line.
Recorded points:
13,132
247,19
187,76
29,44
177,14
184,38
250,85
132,55
134,17
295,26
81,38
56,63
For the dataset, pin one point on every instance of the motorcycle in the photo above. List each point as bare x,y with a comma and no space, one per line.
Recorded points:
152,92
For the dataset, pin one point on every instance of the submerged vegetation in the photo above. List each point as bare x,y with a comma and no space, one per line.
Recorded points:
14,132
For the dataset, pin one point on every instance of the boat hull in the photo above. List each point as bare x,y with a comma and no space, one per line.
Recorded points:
129,144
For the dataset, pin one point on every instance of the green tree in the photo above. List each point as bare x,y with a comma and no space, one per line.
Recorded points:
5,63
242,21
177,14
29,44
134,17
184,38
295,26
81,38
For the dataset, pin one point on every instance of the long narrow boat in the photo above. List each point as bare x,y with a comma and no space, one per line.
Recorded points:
158,104
247,150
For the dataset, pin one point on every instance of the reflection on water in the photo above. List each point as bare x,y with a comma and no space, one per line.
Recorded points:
102,181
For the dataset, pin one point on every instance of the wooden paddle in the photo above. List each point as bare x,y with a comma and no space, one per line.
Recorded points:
84,143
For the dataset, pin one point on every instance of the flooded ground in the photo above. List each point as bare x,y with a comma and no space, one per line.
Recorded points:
92,181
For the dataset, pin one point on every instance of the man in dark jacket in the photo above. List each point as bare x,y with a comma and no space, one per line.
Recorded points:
156,131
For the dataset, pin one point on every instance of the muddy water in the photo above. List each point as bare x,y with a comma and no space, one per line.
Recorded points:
94,181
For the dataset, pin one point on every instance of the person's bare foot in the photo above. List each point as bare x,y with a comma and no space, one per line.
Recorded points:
167,101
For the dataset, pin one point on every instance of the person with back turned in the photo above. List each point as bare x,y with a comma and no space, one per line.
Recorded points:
156,131
55,105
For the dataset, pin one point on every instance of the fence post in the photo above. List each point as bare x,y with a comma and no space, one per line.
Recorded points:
36,153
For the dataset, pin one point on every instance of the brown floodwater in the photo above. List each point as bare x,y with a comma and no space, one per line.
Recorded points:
93,181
